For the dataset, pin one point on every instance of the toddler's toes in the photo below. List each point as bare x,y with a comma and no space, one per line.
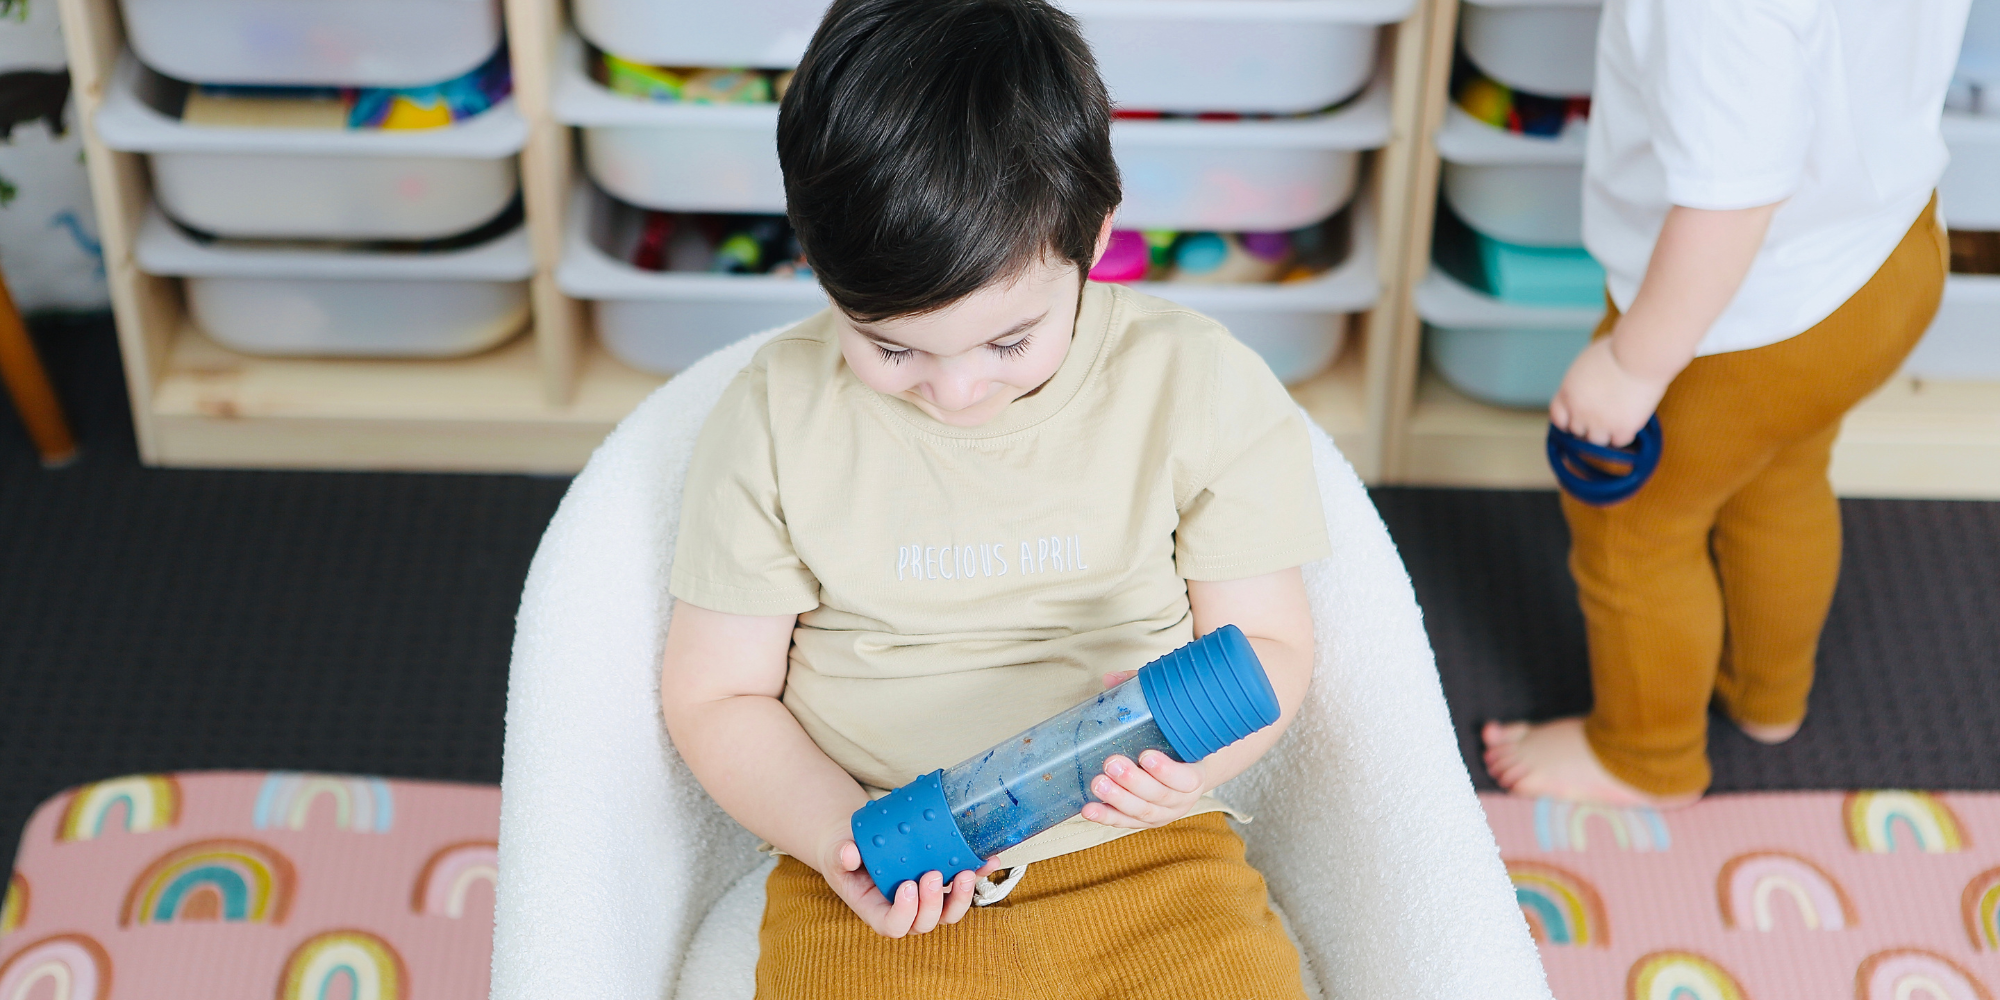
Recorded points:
1497,735
1769,734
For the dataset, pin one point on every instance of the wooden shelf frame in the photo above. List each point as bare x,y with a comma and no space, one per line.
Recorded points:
1913,438
541,403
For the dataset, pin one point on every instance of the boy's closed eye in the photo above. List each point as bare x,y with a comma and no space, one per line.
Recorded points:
1011,349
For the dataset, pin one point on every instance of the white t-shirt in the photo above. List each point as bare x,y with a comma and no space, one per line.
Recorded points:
1830,106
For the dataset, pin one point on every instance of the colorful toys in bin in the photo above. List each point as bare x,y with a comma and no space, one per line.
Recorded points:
1502,106
391,108
691,85
1223,258
718,244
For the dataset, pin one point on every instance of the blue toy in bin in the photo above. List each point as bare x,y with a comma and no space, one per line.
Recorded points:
1187,704
1580,466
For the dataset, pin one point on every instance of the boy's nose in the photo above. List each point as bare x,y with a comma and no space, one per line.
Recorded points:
956,391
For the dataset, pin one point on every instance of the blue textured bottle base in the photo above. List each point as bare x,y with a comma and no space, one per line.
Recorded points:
910,832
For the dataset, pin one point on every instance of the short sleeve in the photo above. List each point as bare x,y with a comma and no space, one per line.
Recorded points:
734,552
1255,508
1729,96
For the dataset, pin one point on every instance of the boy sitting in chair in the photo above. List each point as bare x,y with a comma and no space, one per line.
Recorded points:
964,499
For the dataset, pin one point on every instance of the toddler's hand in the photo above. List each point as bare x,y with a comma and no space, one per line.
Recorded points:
920,906
1600,401
1154,792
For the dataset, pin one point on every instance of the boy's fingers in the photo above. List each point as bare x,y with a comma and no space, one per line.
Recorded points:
850,856
1098,812
1117,677
1136,780
1122,800
960,900
930,903
902,913
1181,777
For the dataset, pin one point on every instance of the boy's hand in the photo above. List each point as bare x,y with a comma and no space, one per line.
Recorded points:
1155,792
1603,403
920,906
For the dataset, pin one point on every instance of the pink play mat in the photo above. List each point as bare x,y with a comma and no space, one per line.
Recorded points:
1877,895
253,886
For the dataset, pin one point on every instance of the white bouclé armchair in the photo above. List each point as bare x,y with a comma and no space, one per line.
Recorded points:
622,880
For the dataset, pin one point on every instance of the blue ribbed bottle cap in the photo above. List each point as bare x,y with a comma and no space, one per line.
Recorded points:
1209,693
1580,468
909,832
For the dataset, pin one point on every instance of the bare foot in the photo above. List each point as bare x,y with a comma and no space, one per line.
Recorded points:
1769,734
1553,759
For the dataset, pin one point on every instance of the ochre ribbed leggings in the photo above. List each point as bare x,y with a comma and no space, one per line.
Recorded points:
1169,912
1714,580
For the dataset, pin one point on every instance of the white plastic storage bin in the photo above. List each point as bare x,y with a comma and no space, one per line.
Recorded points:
344,43
664,321
1179,55
1232,175
1497,352
1969,192
1299,328
323,197
1963,343
1540,47
318,184
291,301
1512,187
1537,204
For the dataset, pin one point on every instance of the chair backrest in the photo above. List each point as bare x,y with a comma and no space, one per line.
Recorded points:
1367,829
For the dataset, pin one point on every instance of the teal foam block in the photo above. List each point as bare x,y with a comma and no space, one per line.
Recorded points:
1543,276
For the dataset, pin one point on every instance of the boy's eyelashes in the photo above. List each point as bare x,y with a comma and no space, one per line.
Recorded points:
896,355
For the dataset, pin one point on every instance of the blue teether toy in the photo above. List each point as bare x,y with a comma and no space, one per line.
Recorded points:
1577,464
1187,704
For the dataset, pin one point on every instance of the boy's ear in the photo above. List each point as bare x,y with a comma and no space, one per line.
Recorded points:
1103,239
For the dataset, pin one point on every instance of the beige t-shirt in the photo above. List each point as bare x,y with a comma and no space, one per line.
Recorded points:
955,586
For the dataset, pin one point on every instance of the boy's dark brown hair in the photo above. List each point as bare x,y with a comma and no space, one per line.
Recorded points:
933,147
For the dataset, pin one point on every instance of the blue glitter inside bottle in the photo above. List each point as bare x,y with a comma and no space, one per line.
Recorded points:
1187,704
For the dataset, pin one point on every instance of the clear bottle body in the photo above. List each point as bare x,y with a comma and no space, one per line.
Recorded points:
1042,776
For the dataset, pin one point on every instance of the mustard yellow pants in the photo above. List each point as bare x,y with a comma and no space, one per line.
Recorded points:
1715,578
1169,912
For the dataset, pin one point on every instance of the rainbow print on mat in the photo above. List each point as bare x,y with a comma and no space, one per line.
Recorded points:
1749,882
1873,818
1566,826
229,880
1560,907
14,906
1915,974
151,801
365,964
1680,975
1980,906
363,805
76,967
442,885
